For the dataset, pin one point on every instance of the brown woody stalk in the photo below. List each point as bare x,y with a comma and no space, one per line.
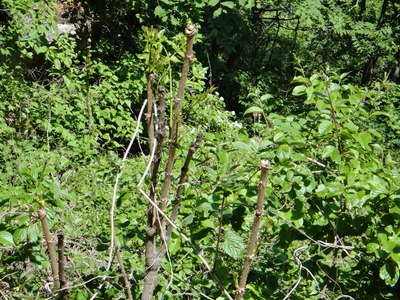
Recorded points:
189,56
123,272
50,245
151,230
248,257
64,292
150,104
88,103
178,195
151,253
161,253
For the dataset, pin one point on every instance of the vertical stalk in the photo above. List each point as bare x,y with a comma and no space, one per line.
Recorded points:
248,257
126,279
50,246
152,265
189,56
88,103
64,293
149,113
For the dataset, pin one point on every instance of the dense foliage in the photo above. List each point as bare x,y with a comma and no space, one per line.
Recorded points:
310,86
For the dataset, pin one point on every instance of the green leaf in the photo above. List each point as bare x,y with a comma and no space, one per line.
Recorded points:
351,127
213,2
67,82
6,239
390,273
364,139
159,11
242,146
217,12
57,64
266,97
253,109
20,235
279,137
299,90
233,244
325,126
283,153
229,4
327,151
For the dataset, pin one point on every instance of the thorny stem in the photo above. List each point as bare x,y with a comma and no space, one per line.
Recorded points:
248,257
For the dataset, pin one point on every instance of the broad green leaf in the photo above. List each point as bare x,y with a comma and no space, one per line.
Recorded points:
327,151
300,79
217,12
283,153
213,2
67,82
279,137
233,244
389,273
159,11
325,127
20,235
242,146
68,62
6,239
222,157
299,90
33,233
364,139
396,258
350,126
174,245
373,248
253,109
266,97
229,4
57,64
207,223
322,105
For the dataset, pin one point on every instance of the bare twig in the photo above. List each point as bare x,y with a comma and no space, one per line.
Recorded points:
114,197
296,255
115,191
123,272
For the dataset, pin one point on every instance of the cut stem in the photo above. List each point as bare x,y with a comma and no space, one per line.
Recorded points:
248,257
50,246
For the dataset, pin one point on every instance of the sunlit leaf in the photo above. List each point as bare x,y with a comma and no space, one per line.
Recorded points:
6,239
233,244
